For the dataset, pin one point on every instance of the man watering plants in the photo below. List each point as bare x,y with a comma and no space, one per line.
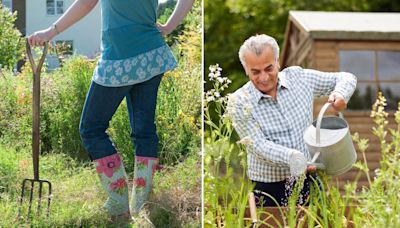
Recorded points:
273,109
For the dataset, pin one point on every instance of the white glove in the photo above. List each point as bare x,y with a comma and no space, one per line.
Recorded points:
297,163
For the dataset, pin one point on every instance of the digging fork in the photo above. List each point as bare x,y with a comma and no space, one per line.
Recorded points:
35,138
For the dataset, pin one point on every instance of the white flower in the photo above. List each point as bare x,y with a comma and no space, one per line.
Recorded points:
211,76
211,68
210,98
214,68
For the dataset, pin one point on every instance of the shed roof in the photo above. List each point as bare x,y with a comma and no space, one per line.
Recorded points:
348,25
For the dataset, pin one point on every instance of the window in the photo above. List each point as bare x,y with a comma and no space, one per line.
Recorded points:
376,71
54,7
8,4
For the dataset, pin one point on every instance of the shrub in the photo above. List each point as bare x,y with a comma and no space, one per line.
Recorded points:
11,45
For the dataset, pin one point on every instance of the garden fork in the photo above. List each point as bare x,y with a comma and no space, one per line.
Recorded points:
35,138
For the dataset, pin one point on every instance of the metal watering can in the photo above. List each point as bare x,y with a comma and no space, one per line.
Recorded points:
330,144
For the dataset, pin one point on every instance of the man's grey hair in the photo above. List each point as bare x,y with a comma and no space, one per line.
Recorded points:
257,44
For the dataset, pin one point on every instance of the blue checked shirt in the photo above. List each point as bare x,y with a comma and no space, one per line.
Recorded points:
275,128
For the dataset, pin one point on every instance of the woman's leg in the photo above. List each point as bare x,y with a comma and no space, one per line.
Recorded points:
100,105
141,103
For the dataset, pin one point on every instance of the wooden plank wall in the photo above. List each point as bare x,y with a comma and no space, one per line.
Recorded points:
325,57
361,122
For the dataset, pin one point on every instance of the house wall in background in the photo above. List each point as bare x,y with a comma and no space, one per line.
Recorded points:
85,34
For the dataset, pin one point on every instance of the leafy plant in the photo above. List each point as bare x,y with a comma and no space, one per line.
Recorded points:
11,45
225,192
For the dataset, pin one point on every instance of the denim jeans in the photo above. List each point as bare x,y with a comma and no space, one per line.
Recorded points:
100,106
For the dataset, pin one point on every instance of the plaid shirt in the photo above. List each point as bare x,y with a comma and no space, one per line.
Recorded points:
275,128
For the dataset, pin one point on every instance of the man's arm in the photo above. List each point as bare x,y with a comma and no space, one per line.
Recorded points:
74,13
247,127
339,86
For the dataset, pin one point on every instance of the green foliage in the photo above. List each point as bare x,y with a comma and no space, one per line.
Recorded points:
379,202
11,45
226,186
15,110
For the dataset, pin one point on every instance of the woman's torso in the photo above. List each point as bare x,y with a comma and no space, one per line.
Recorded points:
129,28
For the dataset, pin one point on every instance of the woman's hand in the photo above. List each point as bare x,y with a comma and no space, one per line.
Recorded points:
181,9
164,29
40,37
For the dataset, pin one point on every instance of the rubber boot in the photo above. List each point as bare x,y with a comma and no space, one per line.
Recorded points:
114,181
143,181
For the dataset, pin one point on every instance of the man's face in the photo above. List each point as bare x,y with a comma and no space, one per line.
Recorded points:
263,70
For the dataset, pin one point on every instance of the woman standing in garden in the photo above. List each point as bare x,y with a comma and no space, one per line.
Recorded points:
134,57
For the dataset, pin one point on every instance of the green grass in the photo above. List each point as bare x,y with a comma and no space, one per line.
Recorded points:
78,197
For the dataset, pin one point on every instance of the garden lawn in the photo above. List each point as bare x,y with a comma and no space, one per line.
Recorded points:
78,197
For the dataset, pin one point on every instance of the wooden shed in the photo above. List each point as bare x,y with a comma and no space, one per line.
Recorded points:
365,44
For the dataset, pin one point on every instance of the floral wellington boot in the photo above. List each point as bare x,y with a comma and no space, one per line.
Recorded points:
143,181
113,179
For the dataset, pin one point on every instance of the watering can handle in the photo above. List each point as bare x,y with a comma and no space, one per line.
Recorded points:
318,135
319,121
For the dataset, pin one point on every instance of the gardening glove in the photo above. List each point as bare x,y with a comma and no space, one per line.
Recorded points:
297,163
